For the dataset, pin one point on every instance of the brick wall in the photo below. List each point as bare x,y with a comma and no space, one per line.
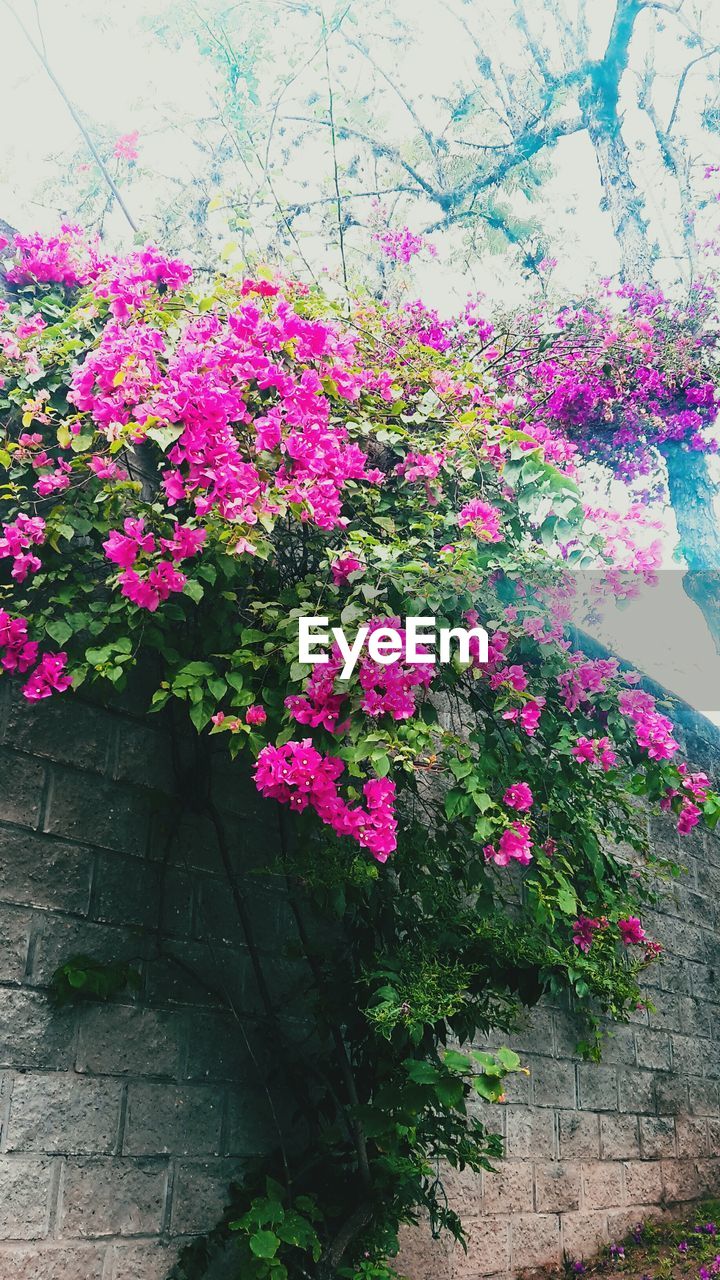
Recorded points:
592,1149
121,1124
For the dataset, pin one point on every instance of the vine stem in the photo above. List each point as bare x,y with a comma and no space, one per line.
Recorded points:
42,57
338,1040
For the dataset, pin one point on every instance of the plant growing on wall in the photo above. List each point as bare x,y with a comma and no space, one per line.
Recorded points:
188,470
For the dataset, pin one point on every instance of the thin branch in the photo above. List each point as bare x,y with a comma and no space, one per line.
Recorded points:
333,137
681,83
40,54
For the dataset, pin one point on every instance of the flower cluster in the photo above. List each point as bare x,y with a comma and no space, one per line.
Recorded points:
653,731
150,589
402,244
483,519
514,845
16,539
595,751
18,654
252,449
298,775
387,689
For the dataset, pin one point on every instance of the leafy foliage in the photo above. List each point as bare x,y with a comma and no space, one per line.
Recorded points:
84,978
188,472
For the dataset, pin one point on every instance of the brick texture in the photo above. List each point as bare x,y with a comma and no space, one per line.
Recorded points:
122,1124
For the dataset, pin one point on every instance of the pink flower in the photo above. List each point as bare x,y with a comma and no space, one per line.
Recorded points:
689,817
584,931
342,568
298,775
595,750
255,715
104,468
19,653
48,677
124,549
483,519
125,147
631,931
518,796
514,844
185,542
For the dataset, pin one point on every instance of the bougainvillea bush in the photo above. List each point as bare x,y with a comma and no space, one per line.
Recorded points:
191,466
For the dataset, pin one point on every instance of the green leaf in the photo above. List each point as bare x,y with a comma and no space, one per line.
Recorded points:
194,590
58,631
164,436
264,1244
421,1072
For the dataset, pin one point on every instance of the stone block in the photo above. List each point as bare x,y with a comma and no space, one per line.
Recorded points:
488,1250
530,1131
671,1095
557,1186
602,1184
27,1190
703,1094
122,1040
217,1051
64,1113
32,1033
691,1134
579,1134
597,1087
619,1046
673,974
643,1182
535,1032
146,1260
463,1188
54,938
553,1083
21,795
657,1137
708,1173
583,1234
52,1261
113,1197
680,1180
189,973
704,979
67,730
653,1050
635,1090
98,812
622,1221
509,1189
38,872
422,1257
251,1129
15,925
690,1056
165,1118
200,1194
126,891
144,757
620,1137
518,1089
535,1240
